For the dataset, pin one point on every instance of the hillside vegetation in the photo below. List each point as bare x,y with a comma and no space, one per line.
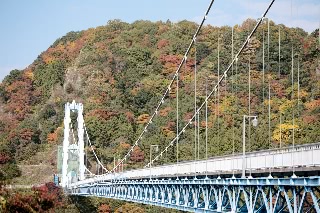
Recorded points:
119,72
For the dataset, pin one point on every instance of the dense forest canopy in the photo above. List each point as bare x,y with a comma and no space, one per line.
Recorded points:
119,72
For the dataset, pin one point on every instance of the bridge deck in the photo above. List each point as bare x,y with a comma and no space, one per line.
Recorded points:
303,158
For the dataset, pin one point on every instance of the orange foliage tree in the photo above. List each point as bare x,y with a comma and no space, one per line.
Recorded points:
137,155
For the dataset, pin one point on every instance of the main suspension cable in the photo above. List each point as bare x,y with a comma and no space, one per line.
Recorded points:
222,77
169,86
92,149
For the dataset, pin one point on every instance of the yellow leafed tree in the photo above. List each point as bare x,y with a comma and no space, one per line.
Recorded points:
283,131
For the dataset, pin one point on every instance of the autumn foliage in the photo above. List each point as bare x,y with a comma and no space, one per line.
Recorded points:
120,71
104,208
45,198
137,155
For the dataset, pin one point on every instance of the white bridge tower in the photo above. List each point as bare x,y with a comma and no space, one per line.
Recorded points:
65,179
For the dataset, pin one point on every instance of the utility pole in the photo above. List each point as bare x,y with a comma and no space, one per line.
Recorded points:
254,123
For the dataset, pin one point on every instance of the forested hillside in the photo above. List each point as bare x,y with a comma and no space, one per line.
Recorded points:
119,72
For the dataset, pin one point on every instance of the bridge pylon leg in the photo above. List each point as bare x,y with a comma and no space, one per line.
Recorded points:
67,120
81,141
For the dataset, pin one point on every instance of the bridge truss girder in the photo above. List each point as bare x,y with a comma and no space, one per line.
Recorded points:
230,195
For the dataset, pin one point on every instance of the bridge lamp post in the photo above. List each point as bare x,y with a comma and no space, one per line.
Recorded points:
254,123
157,147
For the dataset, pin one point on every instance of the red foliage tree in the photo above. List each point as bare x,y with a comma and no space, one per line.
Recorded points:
104,208
21,96
162,43
45,198
4,158
48,196
21,203
130,117
137,155
102,113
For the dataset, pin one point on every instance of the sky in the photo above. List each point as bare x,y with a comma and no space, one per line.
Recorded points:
30,27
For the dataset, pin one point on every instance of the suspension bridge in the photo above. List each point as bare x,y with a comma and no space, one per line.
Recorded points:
283,179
